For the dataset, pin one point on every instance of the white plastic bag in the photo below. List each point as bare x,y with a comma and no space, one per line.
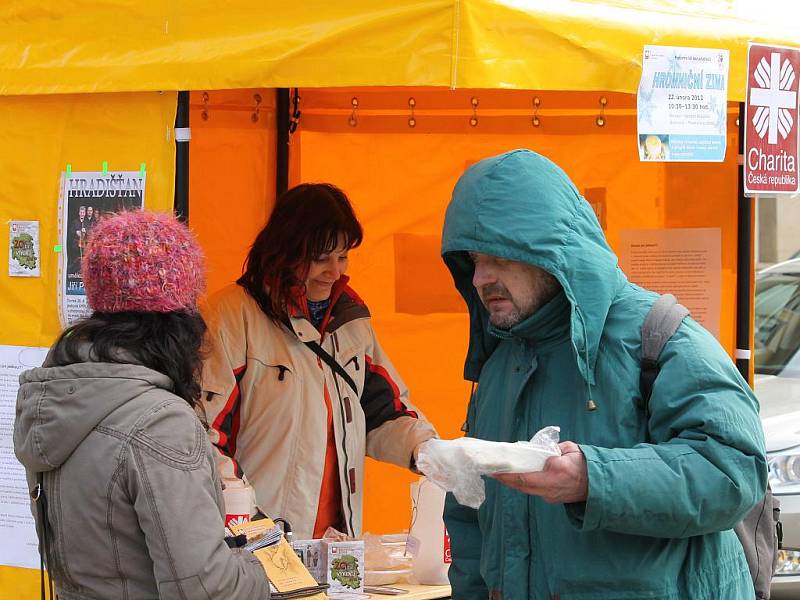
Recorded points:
458,465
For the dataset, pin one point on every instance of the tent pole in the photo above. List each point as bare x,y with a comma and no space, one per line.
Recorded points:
744,271
181,201
282,150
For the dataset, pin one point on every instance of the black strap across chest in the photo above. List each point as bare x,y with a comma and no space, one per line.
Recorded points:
331,362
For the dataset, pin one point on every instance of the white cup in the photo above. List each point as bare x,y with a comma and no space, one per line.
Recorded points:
239,503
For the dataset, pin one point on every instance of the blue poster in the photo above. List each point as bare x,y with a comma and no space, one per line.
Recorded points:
682,104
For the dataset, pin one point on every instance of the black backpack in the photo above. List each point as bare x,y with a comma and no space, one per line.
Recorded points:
760,531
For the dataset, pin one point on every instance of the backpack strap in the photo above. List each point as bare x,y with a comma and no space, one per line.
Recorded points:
660,324
40,500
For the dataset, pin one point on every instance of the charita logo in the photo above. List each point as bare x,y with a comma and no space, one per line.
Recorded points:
771,141
774,98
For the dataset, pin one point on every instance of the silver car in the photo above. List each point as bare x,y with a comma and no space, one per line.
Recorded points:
777,385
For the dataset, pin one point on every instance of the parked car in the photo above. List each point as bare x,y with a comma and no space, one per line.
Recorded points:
777,385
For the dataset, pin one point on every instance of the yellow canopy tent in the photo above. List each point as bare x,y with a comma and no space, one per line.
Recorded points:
87,82
54,47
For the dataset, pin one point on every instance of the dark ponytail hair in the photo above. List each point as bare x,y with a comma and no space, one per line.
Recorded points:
306,223
169,343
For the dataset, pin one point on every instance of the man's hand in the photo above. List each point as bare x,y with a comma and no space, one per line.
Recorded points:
563,480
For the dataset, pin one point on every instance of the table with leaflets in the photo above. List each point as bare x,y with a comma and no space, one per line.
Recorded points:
287,572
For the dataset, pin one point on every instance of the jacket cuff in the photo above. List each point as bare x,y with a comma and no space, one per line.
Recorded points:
588,516
413,466
395,440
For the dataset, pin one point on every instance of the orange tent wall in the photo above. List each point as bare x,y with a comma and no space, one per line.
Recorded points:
400,179
231,175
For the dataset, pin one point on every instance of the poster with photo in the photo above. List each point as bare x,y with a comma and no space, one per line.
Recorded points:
24,255
86,198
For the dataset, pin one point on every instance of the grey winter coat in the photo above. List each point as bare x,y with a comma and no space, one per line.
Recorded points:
134,501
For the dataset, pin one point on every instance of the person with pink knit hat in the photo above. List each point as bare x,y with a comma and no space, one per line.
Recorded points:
126,495
144,262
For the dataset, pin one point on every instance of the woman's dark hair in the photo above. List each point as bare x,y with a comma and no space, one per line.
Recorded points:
170,343
305,224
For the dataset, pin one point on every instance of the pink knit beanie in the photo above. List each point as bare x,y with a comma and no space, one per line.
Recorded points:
142,261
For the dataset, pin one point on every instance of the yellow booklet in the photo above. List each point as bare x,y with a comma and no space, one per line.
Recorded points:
284,568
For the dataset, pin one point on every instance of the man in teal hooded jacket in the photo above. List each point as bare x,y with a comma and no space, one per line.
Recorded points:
637,506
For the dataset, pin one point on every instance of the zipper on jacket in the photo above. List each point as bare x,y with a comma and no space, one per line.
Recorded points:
353,360
470,408
344,447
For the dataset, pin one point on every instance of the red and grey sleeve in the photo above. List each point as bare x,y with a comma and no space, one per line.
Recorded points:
225,427
384,397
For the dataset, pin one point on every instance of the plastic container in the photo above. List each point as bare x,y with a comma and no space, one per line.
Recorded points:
432,561
385,576
239,502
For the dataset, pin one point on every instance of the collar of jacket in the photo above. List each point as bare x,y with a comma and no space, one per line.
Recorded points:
546,327
299,308
300,320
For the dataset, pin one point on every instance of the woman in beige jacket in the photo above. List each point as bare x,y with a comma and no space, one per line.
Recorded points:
296,388
128,503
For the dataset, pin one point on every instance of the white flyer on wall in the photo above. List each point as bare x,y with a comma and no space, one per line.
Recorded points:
86,198
24,255
682,104
18,541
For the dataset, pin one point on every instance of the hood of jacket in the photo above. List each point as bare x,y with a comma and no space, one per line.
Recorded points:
58,406
521,206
